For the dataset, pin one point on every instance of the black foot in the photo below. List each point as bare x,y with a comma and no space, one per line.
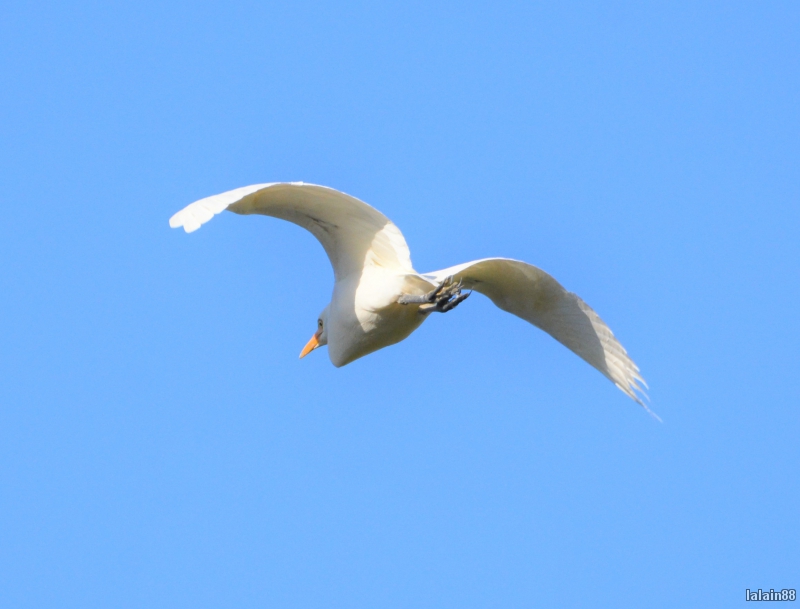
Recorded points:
445,297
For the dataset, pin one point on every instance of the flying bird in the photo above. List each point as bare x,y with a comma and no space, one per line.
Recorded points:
379,299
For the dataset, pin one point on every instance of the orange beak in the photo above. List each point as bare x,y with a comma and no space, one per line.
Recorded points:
310,345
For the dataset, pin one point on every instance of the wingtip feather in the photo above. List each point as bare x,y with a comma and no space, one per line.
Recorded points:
194,215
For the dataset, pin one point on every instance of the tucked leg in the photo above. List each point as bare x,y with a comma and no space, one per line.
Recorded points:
443,298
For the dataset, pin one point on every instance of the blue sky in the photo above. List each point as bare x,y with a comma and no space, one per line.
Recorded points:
162,446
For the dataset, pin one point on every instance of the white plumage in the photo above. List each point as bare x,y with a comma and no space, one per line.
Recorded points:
372,269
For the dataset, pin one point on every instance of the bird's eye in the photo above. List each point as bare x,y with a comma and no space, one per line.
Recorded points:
319,322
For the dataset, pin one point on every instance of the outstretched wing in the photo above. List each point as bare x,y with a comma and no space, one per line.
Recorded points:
353,234
533,295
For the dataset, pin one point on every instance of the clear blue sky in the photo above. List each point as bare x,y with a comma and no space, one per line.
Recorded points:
162,446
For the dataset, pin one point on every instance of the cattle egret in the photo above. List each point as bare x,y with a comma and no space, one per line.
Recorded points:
379,299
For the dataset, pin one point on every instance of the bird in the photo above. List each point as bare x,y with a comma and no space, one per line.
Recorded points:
379,299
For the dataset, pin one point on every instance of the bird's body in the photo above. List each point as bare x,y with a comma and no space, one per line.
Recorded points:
364,314
379,299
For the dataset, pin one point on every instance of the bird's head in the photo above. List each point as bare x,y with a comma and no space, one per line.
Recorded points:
320,337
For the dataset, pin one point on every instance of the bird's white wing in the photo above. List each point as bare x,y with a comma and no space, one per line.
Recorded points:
353,234
533,295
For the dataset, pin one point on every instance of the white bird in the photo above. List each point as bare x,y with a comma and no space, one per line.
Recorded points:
379,299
